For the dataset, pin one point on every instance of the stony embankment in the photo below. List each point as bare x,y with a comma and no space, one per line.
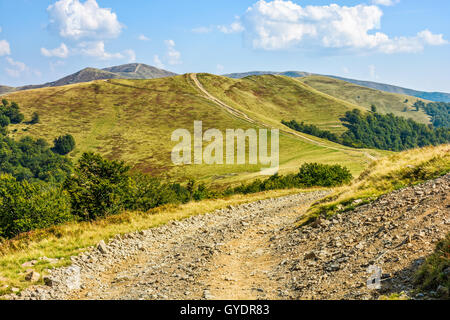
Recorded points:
254,252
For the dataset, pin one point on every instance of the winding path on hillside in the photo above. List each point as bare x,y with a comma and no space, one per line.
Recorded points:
243,116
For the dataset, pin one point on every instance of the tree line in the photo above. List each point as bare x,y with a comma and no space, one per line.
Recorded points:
374,130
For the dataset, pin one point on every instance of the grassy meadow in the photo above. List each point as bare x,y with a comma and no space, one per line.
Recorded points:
132,120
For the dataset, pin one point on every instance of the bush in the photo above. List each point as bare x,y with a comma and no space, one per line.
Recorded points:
25,206
314,174
32,159
4,121
435,271
99,187
148,192
64,145
13,113
35,118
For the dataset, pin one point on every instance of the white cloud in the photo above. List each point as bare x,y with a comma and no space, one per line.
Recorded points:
131,55
432,39
174,56
235,27
279,25
202,30
220,67
96,49
17,67
76,20
4,48
143,38
387,3
157,61
61,52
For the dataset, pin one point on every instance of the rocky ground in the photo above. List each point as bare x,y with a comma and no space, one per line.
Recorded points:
254,252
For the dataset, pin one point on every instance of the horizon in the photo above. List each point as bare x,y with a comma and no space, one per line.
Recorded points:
372,40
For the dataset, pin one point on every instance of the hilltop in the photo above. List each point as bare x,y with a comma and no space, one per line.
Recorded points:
432,96
127,71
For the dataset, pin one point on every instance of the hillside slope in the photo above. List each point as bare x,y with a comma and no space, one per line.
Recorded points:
398,104
132,120
432,96
272,98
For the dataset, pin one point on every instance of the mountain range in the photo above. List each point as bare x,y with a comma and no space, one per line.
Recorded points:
143,71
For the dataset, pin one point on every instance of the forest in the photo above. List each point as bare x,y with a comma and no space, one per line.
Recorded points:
374,130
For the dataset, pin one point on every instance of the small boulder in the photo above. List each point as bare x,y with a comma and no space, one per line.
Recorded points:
33,276
102,247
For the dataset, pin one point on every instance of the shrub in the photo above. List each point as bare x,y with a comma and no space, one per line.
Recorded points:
99,187
4,121
13,113
435,271
315,174
148,192
35,118
25,206
64,145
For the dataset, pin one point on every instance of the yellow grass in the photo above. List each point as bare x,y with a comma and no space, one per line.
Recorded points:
383,176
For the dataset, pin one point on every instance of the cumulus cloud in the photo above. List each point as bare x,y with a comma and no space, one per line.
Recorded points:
4,48
97,50
432,39
61,52
76,20
174,56
157,61
131,55
16,67
279,25
235,27
387,3
143,38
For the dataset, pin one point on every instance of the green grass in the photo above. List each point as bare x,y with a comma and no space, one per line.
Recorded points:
132,120
271,98
366,97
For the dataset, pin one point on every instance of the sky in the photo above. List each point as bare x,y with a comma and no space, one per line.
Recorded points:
401,42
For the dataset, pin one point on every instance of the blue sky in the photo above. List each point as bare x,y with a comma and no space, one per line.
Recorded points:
402,42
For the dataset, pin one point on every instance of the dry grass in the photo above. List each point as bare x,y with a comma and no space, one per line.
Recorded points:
383,176
366,97
70,239
132,120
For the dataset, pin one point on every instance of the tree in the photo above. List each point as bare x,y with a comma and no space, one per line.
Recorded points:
13,113
64,144
99,187
35,118
4,121
373,108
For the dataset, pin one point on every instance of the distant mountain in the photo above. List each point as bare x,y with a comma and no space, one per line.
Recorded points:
432,96
292,74
127,71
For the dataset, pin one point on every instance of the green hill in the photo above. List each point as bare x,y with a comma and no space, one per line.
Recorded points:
398,104
132,120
